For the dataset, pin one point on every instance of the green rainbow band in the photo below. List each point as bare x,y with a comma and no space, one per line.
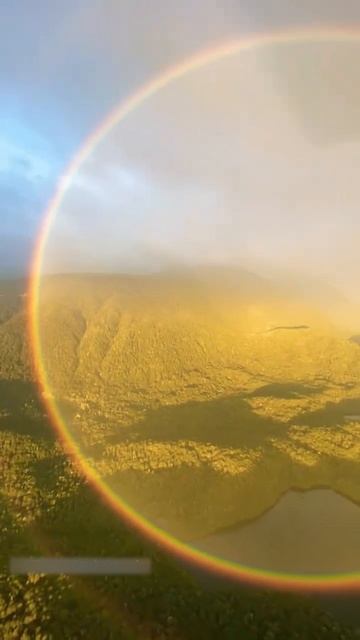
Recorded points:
316,582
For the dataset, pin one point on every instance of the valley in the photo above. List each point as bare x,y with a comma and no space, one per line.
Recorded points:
187,405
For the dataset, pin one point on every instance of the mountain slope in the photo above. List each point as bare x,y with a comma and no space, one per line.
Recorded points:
184,400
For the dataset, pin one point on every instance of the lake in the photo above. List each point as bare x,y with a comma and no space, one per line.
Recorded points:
315,531
304,532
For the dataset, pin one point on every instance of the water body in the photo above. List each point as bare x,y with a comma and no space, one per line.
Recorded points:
289,327
316,531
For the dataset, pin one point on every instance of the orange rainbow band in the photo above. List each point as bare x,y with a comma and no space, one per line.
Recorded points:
316,582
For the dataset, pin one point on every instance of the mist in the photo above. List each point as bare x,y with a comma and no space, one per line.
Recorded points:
224,166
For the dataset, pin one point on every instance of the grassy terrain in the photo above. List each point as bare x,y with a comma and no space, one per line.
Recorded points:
163,408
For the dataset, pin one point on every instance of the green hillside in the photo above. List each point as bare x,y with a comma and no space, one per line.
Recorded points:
192,401
188,391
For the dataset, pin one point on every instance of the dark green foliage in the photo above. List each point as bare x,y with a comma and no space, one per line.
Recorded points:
47,508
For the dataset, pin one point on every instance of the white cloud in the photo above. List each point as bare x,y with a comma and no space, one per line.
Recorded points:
215,167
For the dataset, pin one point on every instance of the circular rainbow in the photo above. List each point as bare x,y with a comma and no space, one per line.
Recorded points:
301,582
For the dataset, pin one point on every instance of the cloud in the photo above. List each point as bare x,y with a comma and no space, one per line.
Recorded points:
15,255
228,162
215,167
317,84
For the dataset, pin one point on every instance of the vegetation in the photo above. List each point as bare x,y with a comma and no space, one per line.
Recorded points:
184,400
151,395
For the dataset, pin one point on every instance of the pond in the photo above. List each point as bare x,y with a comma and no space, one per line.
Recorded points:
315,531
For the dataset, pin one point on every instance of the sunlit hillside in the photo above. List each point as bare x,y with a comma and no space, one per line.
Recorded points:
202,395
191,402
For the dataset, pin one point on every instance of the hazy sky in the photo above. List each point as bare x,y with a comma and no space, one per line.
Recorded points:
253,160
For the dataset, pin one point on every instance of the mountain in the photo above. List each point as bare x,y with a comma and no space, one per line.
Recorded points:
201,395
14,348
205,383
